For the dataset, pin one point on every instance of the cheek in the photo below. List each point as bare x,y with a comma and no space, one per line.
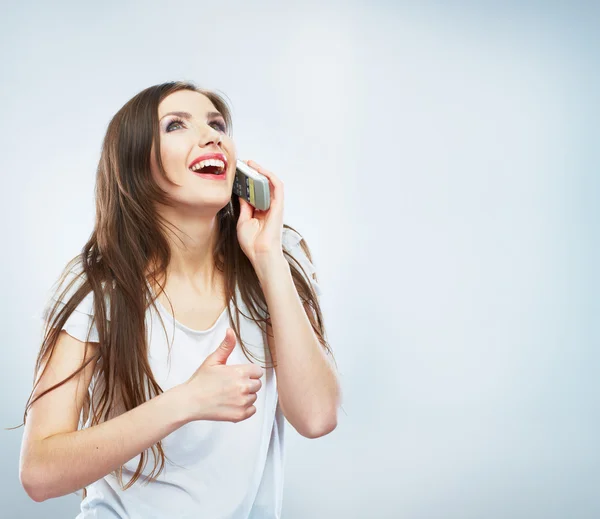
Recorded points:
174,158
229,145
156,175
229,148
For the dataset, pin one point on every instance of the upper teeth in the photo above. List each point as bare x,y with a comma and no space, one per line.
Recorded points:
208,162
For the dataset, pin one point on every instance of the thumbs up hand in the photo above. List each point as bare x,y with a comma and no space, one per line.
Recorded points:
217,391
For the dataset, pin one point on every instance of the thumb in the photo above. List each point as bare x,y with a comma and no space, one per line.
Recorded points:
246,211
221,354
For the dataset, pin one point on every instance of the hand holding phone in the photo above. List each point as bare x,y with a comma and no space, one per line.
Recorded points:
252,186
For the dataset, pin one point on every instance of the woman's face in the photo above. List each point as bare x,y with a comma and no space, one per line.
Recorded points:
196,131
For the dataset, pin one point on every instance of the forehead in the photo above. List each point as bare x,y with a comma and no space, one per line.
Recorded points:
186,100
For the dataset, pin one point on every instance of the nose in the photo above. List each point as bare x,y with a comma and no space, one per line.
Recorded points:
209,136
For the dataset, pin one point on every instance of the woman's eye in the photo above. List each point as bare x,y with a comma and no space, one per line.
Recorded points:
174,123
219,125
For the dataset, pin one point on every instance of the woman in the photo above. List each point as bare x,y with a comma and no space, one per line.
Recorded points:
151,338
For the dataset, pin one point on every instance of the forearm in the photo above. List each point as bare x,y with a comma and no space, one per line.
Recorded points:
307,384
64,463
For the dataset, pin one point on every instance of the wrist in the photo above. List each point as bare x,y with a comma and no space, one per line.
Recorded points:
178,405
271,266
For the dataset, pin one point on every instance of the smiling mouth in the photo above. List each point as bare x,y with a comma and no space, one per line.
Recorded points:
209,167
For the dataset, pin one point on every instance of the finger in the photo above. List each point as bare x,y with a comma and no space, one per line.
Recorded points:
275,180
254,385
221,354
246,211
276,183
255,372
250,370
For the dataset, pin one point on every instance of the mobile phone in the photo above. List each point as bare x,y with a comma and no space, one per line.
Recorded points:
252,186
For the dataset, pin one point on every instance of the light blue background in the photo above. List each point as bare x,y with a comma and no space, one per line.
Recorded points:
441,160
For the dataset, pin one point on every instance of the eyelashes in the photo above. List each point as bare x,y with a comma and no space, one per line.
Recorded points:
217,125
174,122
220,125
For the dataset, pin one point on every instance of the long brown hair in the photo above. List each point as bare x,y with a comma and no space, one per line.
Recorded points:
128,250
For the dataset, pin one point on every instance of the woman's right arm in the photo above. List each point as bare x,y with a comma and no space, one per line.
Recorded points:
57,459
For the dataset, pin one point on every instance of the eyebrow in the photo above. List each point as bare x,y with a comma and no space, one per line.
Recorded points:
188,116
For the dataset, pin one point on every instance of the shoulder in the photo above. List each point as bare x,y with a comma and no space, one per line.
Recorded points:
294,244
290,237
72,279
72,304
69,282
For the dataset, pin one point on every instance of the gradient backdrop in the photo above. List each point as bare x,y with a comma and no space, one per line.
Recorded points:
441,161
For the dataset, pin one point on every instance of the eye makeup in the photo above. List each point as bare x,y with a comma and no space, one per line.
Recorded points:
185,120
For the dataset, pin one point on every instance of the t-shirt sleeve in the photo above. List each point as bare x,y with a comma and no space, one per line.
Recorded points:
80,323
291,243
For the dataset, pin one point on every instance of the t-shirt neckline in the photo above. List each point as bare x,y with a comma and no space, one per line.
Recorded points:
179,324
187,328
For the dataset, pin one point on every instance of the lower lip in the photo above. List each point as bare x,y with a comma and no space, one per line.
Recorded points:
208,176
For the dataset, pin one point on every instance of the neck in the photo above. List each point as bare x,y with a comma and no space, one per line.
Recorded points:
192,239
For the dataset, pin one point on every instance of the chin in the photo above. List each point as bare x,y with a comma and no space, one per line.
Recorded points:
203,204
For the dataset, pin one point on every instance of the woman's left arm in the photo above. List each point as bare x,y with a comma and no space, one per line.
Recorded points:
309,391
307,384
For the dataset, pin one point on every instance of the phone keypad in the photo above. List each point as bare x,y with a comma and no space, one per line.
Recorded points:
242,188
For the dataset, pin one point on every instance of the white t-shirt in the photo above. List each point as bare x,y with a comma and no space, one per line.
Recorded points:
214,469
